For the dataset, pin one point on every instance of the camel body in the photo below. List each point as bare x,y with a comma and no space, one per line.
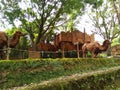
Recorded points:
94,48
3,39
41,46
12,42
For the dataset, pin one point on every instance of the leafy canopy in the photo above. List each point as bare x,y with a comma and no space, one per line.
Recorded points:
40,18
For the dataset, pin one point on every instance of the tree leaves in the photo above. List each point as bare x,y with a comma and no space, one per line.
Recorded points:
42,16
105,21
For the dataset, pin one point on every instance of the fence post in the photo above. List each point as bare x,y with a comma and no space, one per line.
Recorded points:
78,50
8,53
8,49
63,53
63,50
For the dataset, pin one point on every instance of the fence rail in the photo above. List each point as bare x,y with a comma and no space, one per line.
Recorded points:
23,54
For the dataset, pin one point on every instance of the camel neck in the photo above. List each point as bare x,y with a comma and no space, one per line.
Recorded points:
14,41
104,47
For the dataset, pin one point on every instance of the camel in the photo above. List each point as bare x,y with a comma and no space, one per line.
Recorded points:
47,47
69,46
4,40
94,48
41,46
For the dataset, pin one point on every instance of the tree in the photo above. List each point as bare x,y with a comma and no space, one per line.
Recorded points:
105,22
40,17
20,50
116,4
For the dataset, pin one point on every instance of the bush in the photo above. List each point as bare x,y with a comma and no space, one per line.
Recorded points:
14,73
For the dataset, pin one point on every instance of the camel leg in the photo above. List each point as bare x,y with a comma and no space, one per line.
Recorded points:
1,55
84,54
93,55
84,51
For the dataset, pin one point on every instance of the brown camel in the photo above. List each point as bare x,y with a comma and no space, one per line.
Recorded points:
47,47
69,46
44,47
4,40
95,48
15,39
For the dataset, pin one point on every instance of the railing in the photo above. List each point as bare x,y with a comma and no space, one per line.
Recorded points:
24,54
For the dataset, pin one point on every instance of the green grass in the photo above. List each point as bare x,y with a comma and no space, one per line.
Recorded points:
15,73
108,79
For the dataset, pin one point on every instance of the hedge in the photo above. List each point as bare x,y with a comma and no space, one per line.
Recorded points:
98,80
16,73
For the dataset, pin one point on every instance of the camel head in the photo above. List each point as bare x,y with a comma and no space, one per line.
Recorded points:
106,43
15,39
19,33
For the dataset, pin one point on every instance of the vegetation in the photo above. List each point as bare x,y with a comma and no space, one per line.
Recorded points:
105,22
98,80
117,9
18,73
40,18
116,41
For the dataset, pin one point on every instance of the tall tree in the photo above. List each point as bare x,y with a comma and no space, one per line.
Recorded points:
116,4
41,17
105,21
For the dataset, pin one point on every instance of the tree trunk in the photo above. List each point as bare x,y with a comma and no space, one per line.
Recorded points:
117,9
109,51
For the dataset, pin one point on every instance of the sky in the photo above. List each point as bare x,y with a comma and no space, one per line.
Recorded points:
85,23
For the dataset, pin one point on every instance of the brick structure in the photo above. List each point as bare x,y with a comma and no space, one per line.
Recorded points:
74,37
64,41
72,41
34,54
115,50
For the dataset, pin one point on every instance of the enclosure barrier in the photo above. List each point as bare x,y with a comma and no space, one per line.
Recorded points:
13,53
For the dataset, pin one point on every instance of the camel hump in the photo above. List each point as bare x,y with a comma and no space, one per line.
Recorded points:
3,36
88,42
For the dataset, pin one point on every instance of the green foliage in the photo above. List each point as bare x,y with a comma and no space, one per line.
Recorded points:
40,17
96,3
21,72
20,50
116,41
10,32
108,80
104,21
